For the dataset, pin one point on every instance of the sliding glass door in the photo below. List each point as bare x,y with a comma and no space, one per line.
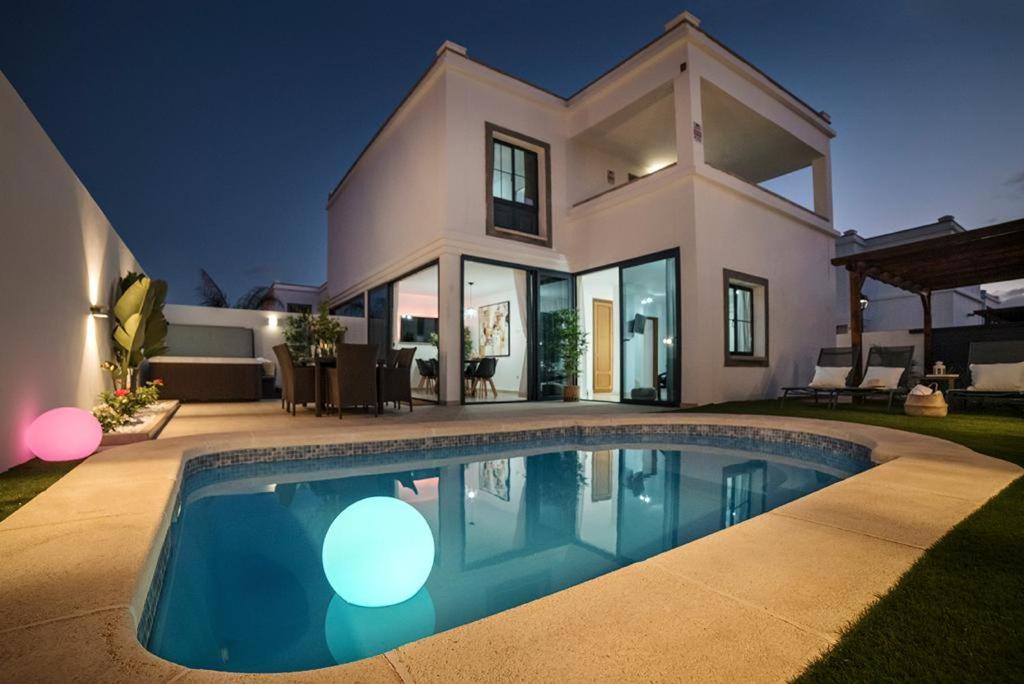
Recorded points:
554,293
649,306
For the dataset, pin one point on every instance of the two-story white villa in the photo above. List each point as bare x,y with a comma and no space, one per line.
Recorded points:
486,203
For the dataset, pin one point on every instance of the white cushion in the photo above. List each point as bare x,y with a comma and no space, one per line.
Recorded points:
826,377
997,377
881,377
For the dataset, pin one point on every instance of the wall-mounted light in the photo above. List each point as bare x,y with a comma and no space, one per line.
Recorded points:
271,321
97,311
864,301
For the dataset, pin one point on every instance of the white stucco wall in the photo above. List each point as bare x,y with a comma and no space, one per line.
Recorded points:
60,256
795,259
391,208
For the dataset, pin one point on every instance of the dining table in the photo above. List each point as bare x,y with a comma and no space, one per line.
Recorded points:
320,366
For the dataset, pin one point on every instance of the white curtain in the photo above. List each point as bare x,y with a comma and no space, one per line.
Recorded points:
524,376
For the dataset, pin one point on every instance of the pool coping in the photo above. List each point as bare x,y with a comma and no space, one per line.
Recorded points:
759,600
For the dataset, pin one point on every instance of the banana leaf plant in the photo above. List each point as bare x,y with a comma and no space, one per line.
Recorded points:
140,329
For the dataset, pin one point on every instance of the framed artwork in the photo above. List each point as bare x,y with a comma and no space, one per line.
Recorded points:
494,478
494,330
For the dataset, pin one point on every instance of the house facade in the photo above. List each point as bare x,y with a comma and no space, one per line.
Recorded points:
887,308
486,204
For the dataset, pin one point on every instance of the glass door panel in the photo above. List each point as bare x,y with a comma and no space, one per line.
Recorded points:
378,319
554,293
650,332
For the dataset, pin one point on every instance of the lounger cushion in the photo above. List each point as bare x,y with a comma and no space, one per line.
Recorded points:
881,377
997,377
827,377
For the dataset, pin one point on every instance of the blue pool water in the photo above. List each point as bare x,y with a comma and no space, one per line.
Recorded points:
246,591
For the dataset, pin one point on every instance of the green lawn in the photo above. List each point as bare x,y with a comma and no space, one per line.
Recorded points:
958,614
20,484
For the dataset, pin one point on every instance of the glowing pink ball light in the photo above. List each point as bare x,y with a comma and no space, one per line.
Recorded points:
64,434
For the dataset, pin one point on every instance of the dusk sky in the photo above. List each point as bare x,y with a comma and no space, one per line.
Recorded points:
210,132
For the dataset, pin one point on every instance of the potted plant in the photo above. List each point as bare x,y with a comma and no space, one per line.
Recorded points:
571,343
310,337
140,328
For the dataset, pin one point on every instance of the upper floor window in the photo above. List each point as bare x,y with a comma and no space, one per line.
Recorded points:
518,186
299,308
741,320
514,188
354,307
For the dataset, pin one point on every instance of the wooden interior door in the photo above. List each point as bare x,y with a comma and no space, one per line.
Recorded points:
602,336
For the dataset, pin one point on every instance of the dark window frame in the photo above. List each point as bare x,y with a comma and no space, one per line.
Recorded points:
294,307
494,133
361,298
753,283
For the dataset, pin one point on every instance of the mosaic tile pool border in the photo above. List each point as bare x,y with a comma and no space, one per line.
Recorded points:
206,469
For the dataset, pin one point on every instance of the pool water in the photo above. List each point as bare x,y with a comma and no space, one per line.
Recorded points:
246,589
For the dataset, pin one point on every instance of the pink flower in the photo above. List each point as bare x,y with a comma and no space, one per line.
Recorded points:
158,382
121,393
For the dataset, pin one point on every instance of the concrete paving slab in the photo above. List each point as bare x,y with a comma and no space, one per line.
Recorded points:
639,624
812,575
86,649
60,570
883,508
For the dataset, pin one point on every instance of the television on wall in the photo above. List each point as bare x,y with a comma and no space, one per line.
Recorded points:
417,329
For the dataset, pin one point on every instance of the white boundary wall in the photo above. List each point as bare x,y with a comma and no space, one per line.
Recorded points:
60,256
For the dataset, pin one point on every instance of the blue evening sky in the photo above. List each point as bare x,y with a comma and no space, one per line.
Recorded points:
211,132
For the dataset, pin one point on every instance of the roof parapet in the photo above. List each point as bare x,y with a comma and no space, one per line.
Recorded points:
454,47
685,17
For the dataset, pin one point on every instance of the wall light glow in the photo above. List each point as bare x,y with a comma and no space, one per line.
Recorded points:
378,552
658,165
64,434
271,321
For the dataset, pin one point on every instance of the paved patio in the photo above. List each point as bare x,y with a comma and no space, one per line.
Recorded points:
261,416
756,602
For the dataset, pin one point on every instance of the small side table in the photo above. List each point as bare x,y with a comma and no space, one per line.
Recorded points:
948,378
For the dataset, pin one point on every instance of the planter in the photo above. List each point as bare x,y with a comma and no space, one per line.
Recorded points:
930,405
146,424
571,393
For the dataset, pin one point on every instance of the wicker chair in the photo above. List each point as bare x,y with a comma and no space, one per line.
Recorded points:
354,381
396,381
298,384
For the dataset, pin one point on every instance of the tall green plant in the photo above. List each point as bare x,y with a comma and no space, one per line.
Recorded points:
307,335
140,328
570,340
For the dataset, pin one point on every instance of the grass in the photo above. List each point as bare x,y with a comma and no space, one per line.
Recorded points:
958,613
22,483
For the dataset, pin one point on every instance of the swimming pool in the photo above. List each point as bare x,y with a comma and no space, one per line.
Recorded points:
243,584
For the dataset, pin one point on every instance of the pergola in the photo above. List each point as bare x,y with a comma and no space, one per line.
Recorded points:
974,257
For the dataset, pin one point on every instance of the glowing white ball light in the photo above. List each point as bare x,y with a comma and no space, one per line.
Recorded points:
64,434
378,552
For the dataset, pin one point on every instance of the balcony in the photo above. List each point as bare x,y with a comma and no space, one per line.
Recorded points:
636,141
